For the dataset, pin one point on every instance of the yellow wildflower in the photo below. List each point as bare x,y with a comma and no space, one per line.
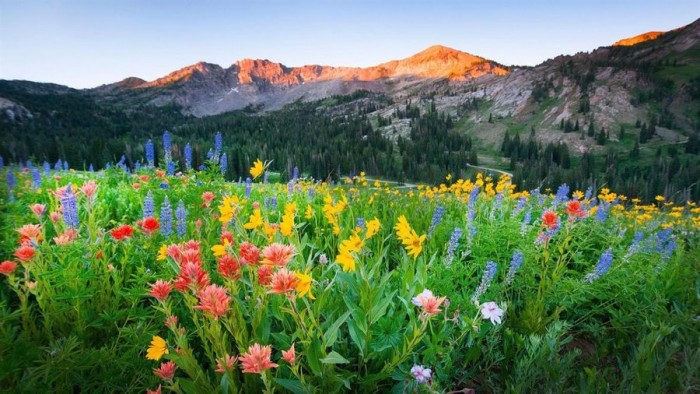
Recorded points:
255,220
257,169
220,250
303,286
162,253
372,228
309,212
157,349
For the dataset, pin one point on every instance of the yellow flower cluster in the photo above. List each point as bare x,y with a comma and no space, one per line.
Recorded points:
410,239
332,211
354,244
287,224
228,208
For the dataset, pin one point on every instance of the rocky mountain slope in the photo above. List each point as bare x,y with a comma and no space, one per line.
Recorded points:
651,77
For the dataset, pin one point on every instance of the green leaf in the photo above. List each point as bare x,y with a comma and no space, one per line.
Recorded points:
294,386
357,337
331,334
334,358
313,354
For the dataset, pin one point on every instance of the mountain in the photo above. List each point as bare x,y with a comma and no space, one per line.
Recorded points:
207,89
652,35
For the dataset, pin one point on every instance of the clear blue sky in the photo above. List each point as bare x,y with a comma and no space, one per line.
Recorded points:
88,43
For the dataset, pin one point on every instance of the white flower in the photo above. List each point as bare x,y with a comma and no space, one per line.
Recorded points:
421,373
420,299
491,311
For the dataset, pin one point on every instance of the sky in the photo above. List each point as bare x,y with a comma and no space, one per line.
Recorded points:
84,44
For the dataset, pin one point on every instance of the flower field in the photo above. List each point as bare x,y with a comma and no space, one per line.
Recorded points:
134,280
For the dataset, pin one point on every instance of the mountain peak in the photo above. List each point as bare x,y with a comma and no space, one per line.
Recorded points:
651,35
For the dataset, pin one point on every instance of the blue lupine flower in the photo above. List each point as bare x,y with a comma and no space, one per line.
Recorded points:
47,168
202,167
181,216
108,166
223,163
438,213
188,157
36,178
137,165
58,166
486,278
11,179
311,192
636,244
210,154
562,195
452,246
290,188
167,146
150,153
218,145
148,206
273,202
496,206
589,193
91,168
66,167
602,267
295,175
166,218
248,187
164,185
520,205
170,168
515,264
360,222
70,209
267,203
601,214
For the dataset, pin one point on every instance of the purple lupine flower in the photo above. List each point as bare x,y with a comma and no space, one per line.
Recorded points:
164,185
602,267
210,154
290,188
47,168
295,176
181,216
421,373
452,246
223,163
148,206
91,168
70,209
515,264
170,168
267,203
360,222
520,205
36,178
562,195
438,213
588,194
248,187
486,278
273,202
311,192
166,218
218,145
58,166
167,146
66,167
188,157
137,165
150,153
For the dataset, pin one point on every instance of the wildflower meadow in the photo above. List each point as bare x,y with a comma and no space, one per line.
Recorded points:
166,278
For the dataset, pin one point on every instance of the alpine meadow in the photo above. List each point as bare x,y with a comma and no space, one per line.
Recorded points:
441,223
